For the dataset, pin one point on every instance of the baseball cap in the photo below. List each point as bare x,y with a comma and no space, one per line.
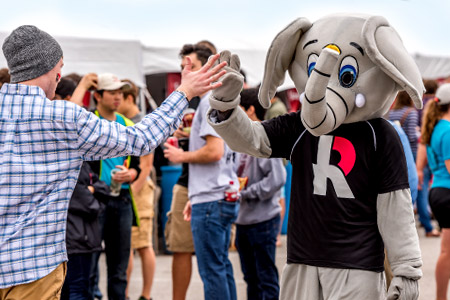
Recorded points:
443,94
109,82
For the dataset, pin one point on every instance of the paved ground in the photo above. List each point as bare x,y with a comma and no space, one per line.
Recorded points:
162,287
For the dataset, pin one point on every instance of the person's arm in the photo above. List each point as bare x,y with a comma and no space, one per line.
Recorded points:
274,178
99,139
88,81
447,165
421,162
146,168
212,151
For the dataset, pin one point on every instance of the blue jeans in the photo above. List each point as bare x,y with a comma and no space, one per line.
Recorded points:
256,245
211,225
117,221
422,201
76,284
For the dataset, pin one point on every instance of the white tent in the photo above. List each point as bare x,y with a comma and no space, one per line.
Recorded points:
130,59
84,55
433,67
165,59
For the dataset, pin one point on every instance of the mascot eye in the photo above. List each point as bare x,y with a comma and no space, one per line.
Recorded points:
348,73
312,59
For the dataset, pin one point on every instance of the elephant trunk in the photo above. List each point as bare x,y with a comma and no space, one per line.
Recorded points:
323,109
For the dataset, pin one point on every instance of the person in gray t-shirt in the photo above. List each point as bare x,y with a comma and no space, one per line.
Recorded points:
211,170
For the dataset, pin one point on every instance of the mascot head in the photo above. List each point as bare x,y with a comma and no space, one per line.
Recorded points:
347,68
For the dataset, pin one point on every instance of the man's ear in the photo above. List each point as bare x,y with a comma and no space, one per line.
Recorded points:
97,96
251,109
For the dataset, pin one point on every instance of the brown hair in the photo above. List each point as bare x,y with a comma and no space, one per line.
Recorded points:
74,77
203,52
130,89
209,45
402,100
432,114
430,86
4,76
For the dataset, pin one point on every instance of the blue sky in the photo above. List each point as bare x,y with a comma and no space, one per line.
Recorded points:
424,25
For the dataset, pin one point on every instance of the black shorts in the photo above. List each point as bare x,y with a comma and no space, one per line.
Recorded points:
439,199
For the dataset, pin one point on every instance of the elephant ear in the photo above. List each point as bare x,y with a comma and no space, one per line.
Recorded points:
385,49
279,57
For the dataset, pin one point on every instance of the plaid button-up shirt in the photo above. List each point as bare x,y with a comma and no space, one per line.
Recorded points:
42,146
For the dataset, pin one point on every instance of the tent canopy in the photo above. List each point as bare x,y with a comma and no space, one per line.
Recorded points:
130,59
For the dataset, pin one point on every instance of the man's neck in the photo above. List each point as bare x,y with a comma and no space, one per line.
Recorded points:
132,112
446,116
106,114
35,82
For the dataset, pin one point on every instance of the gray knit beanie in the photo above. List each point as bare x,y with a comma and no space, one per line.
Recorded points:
30,53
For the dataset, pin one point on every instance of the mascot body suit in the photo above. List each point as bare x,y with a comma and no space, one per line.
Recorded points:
350,198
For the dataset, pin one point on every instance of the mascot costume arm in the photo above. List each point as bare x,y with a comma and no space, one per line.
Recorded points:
348,74
240,133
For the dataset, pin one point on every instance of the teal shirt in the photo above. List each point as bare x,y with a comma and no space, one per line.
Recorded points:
111,163
438,152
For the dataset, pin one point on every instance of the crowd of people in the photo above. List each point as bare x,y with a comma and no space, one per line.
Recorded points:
104,154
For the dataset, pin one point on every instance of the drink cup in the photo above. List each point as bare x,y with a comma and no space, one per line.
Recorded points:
172,141
115,186
188,116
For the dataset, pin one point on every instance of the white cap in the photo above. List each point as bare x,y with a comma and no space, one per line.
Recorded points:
109,82
443,94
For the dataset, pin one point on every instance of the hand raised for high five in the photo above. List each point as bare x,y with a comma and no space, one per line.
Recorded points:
199,82
227,96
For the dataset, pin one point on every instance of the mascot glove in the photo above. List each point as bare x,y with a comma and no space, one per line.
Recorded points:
227,96
403,288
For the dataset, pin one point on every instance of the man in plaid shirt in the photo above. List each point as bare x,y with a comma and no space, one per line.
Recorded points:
42,146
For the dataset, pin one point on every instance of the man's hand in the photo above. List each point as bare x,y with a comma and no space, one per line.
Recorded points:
180,133
125,175
420,177
199,82
173,154
187,211
89,81
227,97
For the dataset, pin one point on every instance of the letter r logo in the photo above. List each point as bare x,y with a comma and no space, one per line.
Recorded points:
323,170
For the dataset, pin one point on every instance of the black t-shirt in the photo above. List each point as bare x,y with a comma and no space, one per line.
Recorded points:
184,144
336,179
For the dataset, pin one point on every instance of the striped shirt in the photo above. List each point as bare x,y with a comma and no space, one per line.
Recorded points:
409,126
42,146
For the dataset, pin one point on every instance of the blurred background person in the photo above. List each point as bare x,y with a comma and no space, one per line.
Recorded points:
404,112
436,137
258,221
64,89
83,235
423,170
143,192
119,214
178,234
4,76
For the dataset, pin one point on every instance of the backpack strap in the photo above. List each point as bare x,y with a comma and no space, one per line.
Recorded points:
405,115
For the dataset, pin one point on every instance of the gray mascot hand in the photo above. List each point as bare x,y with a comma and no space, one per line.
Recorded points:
403,288
227,96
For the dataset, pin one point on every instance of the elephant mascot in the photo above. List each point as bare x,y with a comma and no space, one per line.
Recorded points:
350,199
